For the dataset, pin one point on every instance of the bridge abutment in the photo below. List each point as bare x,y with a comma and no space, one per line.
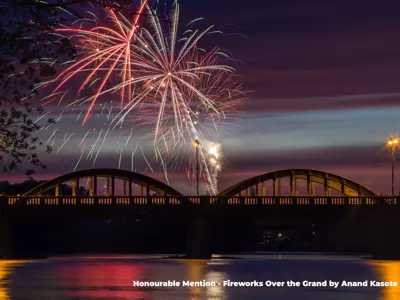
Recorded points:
386,235
355,225
198,244
5,231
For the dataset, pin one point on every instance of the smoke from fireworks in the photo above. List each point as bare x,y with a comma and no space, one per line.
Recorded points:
166,82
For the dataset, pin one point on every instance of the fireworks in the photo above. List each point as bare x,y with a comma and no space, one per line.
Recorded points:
166,82
214,154
102,50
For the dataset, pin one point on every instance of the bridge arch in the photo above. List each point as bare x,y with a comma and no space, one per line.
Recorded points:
329,181
129,178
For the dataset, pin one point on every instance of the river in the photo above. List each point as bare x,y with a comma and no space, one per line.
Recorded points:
111,277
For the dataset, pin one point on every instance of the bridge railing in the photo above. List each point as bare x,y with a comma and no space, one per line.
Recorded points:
197,201
98,200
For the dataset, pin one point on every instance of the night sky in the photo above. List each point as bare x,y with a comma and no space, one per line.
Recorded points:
324,77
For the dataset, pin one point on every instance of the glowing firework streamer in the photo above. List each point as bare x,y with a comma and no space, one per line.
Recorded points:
182,82
181,91
214,158
103,50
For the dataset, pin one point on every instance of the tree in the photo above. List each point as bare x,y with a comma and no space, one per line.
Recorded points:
17,188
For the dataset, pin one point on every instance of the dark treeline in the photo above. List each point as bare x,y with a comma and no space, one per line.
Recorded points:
7,188
20,188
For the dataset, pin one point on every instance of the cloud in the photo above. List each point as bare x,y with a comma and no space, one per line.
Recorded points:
365,165
361,164
307,158
340,102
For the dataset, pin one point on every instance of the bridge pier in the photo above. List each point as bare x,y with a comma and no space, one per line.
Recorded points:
386,244
5,231
198,237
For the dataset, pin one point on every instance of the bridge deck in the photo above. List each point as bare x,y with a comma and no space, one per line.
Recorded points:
195,201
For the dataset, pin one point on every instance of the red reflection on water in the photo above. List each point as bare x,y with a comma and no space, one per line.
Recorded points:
102,280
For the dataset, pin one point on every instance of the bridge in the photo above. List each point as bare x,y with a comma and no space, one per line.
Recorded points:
129,179
329,181
256,186
263,197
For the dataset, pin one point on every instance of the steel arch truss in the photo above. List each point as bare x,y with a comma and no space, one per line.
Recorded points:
330,181
146,183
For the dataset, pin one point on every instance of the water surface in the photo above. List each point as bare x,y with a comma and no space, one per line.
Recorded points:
100,277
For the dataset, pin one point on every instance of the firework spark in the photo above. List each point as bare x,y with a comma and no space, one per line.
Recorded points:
214,154
177,90
101,50
182,83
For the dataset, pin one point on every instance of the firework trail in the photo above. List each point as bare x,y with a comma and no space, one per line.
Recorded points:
182,83
214,154
168,85
102,50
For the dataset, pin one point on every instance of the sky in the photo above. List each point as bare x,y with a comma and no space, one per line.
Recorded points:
325,88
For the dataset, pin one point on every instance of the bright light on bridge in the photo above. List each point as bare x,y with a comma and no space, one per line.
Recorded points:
393,143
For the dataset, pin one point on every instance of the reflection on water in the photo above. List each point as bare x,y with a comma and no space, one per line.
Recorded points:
111,278
100,280
389,271
198,272
6,267
216,292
